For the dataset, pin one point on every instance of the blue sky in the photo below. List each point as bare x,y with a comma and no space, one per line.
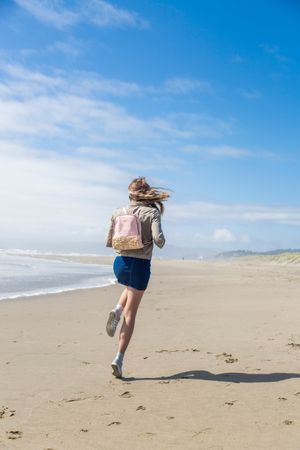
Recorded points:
202,97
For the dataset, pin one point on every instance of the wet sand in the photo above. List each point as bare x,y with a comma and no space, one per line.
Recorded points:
214,363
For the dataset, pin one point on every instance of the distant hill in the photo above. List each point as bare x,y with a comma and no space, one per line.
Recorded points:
279,256
234,254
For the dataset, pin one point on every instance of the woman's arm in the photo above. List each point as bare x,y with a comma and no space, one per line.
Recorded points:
157,232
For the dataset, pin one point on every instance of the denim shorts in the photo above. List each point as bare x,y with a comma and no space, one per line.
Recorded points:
132,272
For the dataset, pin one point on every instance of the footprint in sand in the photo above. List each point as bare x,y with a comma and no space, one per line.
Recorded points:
114,423
14,434
294,345
84,430
78,399
4,411
230,403
224,354
195,350
126,394
288,422
166,351
148,434
228,357
141,408
170,417
201,431
282,398
231,360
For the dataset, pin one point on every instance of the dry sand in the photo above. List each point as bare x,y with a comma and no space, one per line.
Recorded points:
214,364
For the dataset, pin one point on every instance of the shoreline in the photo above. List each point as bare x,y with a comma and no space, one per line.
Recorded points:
49,294
58,283
106,261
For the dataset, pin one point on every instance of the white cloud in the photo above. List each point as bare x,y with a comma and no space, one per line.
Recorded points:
223,235
228,151
51,196
32,104
105,14
22,74
98,151
23,82
275,52
66,152
50,12
186,85
90,82
250,94
219,150
67,48
234,212
219,236
101,13
57,199
94,83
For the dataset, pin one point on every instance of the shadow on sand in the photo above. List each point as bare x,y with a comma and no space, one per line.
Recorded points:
231,377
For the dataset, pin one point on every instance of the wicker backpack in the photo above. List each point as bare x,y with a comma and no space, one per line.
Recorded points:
127,234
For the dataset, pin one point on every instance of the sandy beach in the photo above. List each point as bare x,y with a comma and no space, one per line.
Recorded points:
214,364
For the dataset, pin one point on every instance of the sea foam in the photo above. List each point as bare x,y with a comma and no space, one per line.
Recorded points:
22,275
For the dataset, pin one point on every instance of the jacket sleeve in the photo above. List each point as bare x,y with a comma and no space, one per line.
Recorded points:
157,232
110,233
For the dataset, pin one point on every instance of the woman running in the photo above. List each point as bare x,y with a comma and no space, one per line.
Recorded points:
132,267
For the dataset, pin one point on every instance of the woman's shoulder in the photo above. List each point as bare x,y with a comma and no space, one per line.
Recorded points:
149,212
143,209
118,211
150,208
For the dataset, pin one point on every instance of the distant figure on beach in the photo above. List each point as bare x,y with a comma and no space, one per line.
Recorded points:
132,232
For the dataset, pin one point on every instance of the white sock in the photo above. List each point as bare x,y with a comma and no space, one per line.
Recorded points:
118,310
119,359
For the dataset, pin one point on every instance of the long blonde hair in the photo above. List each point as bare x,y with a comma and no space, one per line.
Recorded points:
140,190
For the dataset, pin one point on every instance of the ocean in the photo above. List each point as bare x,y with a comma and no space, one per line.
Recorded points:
23,275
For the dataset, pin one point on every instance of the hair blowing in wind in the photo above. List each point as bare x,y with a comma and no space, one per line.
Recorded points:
140,190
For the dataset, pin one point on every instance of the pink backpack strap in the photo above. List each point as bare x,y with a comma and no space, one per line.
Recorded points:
138,222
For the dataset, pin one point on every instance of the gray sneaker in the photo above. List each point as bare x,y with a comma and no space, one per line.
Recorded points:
112,323
116,369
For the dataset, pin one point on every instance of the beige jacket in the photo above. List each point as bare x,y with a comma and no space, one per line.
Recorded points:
150,219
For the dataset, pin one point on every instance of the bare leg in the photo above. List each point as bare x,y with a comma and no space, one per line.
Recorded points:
123,298
131,306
